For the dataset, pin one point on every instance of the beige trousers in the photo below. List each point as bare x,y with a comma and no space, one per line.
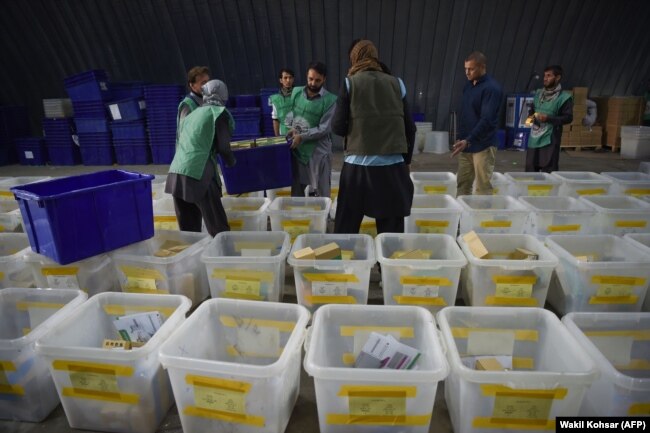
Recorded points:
477,166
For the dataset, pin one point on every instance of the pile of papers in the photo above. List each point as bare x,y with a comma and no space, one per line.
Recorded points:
135,330
385,351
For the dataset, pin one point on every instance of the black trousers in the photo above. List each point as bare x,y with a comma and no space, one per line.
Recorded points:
546,159
209,209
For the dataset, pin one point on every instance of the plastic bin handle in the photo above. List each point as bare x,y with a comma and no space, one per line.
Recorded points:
443,343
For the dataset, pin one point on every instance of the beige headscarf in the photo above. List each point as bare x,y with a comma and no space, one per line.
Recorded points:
364,57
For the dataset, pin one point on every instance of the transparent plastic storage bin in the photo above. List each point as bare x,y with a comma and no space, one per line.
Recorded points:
158,187
6,184
111,390
433,214
549,376
431,283
619,215
618,343
532,184
492,214
642,241
164,214
628,183
246,214
430,182
140,271
93,275
364,400
320,282
272,194
14,271
498,281
247,265
598,273
500,184
11,220
581,183
557,215
235,366
299,215
27,390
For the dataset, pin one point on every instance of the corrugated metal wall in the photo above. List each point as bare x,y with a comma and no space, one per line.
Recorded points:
602,44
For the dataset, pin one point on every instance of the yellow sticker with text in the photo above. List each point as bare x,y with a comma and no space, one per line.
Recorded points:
377,405
539,190
522,408
94,381
514,290
243,287
220,399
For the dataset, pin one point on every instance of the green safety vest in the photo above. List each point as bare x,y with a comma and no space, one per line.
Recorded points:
306,114
190,103
540,136
283,105
195,138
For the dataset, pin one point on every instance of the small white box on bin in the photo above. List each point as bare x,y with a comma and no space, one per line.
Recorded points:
492,214
26,387
235,366
620,214
497,280
149,267
642,241
628,183
582,183
619,344
364,400
532,184
112,390
557,215
430,283
433,214
429,182
344,281
246,214
93,275
14,271
299,215
598,273
247,265
548,375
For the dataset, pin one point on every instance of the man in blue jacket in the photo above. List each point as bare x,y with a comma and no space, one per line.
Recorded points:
477,127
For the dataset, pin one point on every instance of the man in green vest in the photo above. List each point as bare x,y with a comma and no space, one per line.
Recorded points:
193,179
196,78
310,134
551,109
282,102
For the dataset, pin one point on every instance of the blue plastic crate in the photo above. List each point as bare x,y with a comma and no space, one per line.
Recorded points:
247,127
258,168
90,109
132,154
88,86
162,154
245,100
101,139
129,130
127,109
31,151
97,155
73,218
64,154
127,89
91,126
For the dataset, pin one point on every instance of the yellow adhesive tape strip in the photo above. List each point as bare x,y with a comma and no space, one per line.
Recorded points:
26,305
515,302
251,420
556,394
592,191
331,278
56,270
540,187
143,273
236,225
7,366
565,228
244,208
243,245
639,409
164,218
520,334
318,300
432,223
631,224
11,389
601,300
234,322
115,397
121,310
417,300
5,194
639,335
242,274
215,382
425,281
231,295
132,289
637,191
377,391
407,420
523,363
614,279
349,358
92,367
514,279
296,223
404,331
496,224
232,351
435,189
495,423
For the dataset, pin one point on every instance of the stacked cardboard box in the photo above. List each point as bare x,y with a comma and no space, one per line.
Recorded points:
617,111
579,105
581,136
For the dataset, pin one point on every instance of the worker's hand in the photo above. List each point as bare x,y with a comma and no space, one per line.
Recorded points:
541,117
291,133
459,146
297,139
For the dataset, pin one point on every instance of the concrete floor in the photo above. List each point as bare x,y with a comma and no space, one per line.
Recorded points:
304,418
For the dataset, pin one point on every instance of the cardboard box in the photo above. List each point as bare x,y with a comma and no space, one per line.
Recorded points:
475,245
489,364
580,95
304,254
330,251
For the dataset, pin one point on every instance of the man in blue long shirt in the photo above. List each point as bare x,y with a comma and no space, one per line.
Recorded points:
477,126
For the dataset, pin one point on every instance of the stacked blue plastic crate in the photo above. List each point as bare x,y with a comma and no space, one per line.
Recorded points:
31,150
14,122
265,104
128,126
162,107
247,115
89,91
61,147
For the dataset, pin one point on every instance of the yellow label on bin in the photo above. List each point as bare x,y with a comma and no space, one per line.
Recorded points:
242,274
220,399
609,290
283,193
236,225
2,276
61,276
303,207
296,227
630,224
245,287
592,191
141,285
380,405
636,334
5,366
435,189
496,224
432,226
425,281
637,191
94,381
420,300
334,192
6,195
368,228
331,278
163,222
565,228
514,290
639,409
539,190
520,334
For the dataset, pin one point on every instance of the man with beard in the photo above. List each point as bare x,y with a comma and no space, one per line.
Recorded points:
551,109
310,134
281,102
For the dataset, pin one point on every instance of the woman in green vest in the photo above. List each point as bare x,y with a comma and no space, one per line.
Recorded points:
551,109
196,78
193,179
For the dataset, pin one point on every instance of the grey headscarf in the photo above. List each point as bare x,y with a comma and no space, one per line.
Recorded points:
215,92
